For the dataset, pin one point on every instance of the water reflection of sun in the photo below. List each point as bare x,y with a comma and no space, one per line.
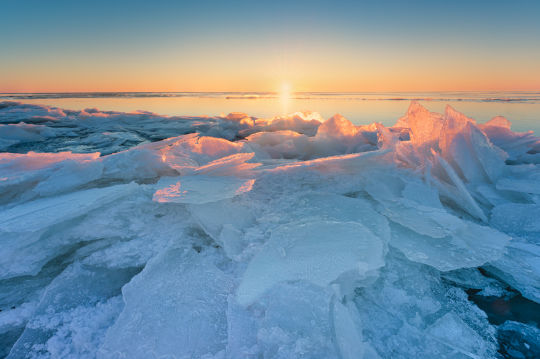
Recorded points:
285,96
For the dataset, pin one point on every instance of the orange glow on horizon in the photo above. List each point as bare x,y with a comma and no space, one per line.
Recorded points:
325,75
397,84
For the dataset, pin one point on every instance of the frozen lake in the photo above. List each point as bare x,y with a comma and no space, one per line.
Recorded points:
522,108
171,234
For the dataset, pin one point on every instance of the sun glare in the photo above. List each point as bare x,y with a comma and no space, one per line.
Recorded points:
285,96
285,92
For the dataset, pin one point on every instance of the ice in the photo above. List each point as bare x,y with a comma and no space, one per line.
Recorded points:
233,165
45,212
520,268
332,207
302,122
24,226
200,189
426,232
497,121
141,235
283,144
518,219
456,152
460,340
335,136
79,299
216,180
349,334
425,127
318,252
412,204
472,278
92,128
520,340
13,134
470,245
214,215
520,147
525,185
175,307
409,312
468,149
34,174
338,135
457,192
291,320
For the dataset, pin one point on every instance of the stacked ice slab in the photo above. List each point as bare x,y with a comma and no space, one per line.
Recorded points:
134,235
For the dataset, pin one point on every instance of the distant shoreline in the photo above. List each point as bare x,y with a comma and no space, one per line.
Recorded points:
468,96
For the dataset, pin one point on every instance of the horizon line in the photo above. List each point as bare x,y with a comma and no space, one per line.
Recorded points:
265,92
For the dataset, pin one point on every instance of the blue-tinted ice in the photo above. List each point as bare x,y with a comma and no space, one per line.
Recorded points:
135,235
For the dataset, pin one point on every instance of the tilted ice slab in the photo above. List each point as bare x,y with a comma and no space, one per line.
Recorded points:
200,189
470,245
318,252
520,266
26,245
46,212
182,312
217,180
425,231
520,147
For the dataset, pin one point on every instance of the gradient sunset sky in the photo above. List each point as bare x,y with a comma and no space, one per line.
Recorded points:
64,46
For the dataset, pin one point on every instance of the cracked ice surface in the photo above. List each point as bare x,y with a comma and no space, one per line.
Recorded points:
135,235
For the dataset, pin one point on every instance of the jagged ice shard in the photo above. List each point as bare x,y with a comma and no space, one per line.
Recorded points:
134,235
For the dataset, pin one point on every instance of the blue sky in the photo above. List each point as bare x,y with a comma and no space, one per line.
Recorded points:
241,45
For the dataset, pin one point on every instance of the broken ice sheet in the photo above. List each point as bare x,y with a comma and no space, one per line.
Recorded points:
200,189
175,307
408,312
468,245
318,252
24,228
354,239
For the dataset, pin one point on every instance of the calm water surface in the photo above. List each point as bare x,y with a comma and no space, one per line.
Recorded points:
522,108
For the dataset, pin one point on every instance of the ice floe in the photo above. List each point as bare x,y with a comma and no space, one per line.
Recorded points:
135,235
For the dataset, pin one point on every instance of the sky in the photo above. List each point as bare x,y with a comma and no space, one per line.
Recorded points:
342,46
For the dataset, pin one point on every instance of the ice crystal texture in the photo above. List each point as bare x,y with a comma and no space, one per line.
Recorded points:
134,235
